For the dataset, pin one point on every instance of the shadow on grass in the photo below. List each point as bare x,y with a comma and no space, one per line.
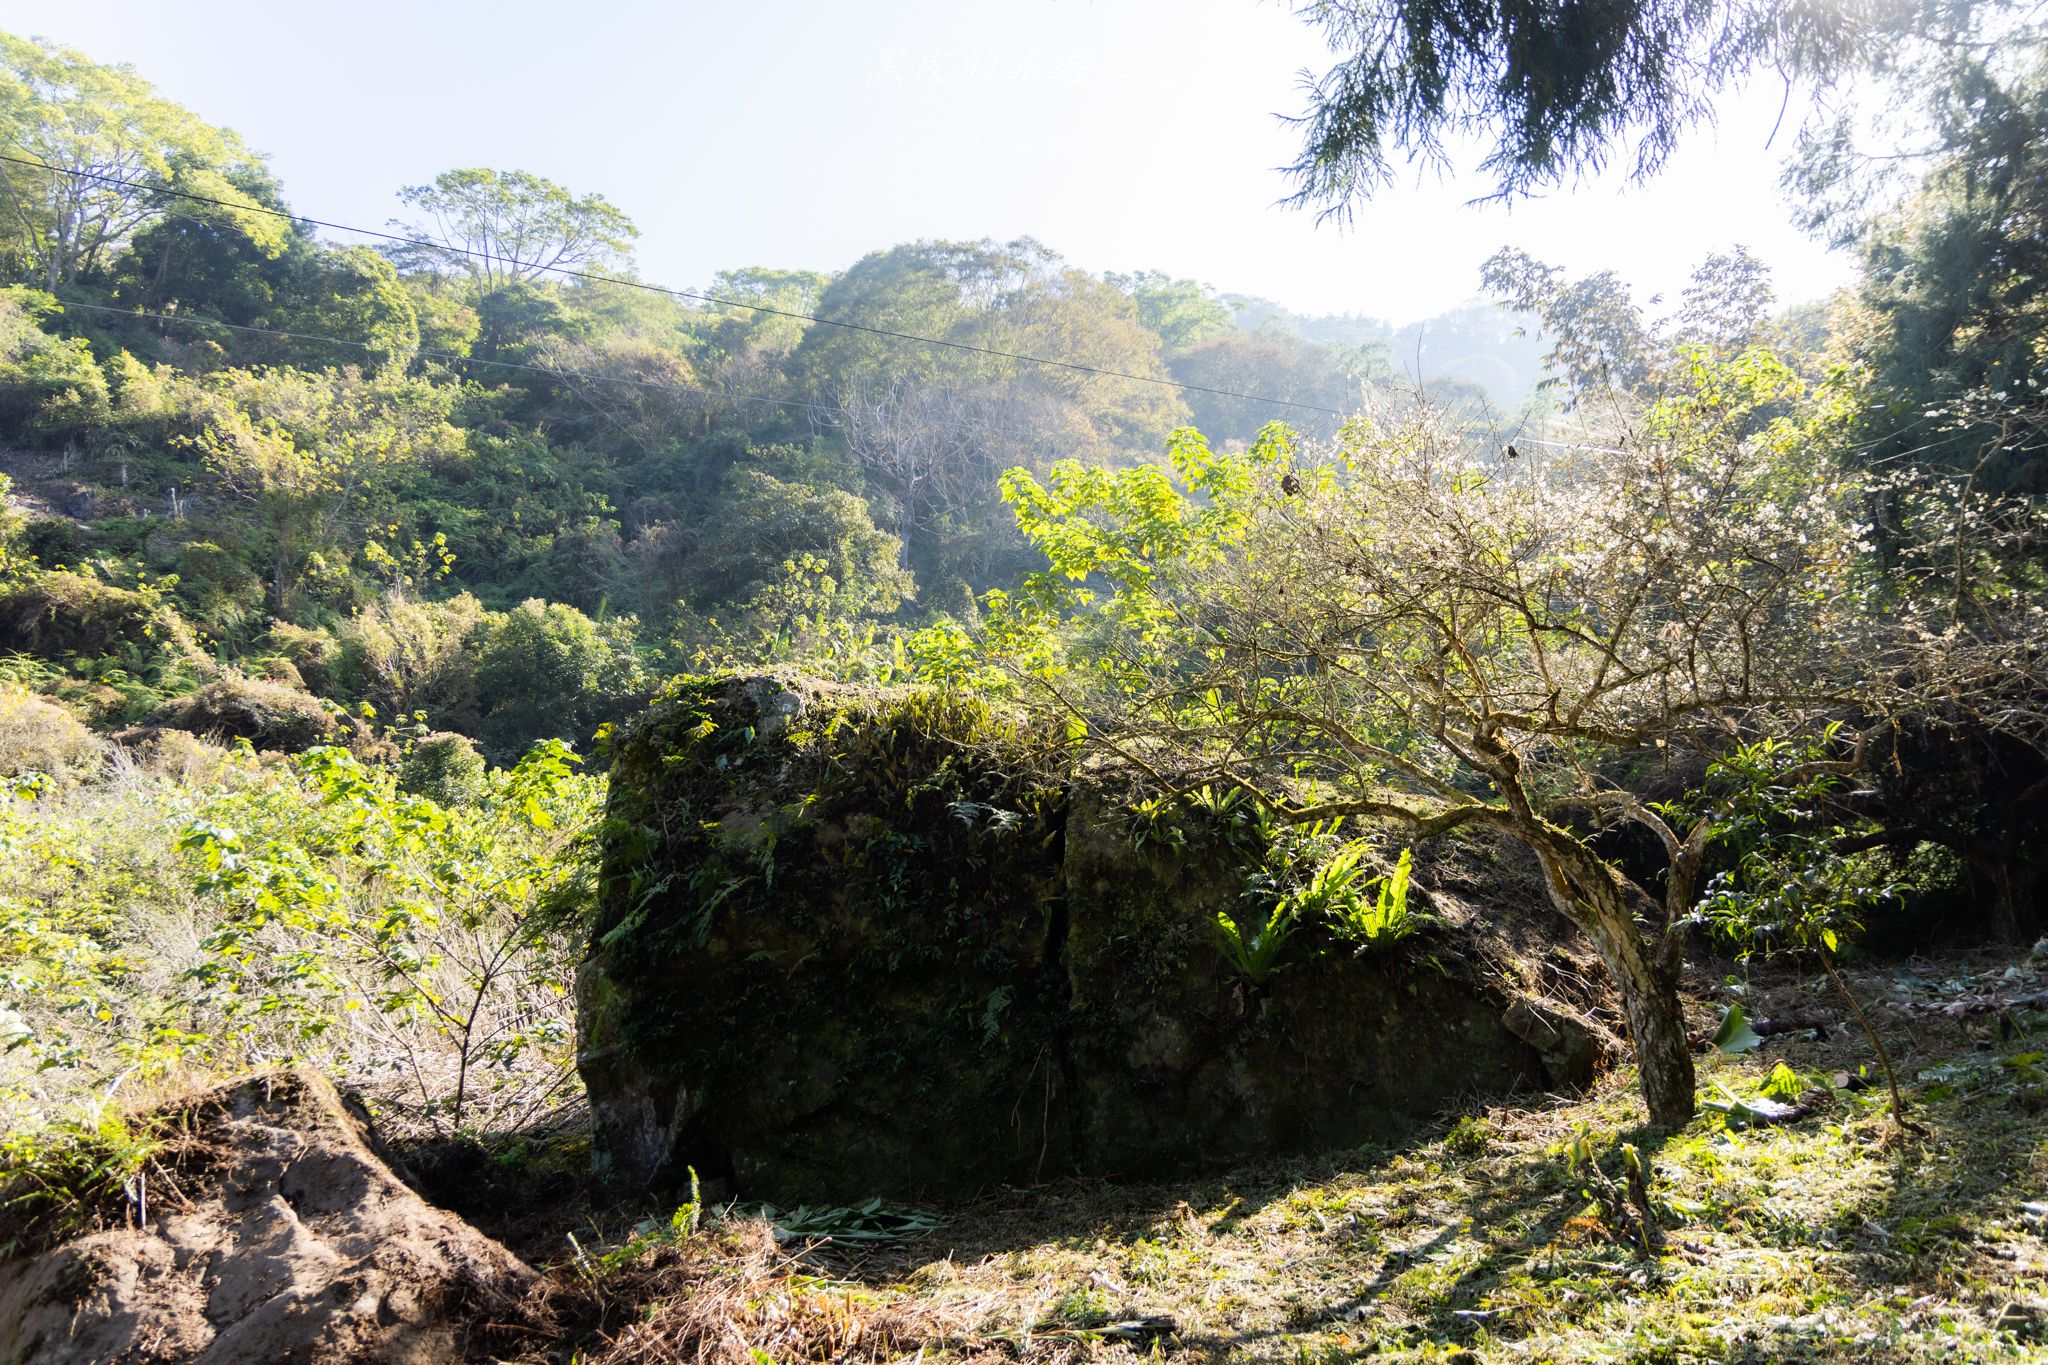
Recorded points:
1503,1230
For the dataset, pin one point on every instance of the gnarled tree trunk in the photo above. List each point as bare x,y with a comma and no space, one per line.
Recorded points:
1586,891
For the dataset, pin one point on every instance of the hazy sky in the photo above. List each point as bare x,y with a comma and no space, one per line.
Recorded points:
1125,134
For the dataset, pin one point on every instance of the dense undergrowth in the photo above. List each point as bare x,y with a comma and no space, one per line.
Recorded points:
196,909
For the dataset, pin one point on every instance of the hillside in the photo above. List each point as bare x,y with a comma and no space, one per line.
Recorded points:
962,807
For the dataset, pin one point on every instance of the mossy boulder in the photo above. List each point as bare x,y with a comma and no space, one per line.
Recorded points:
854,942
1179,1062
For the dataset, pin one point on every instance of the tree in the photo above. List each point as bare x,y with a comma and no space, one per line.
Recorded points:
200,263
1182,312
501,227
1563,89
925,447
624,383
760,523
1603,343
931,426
1946,326
345,305
352,294
1423,635
924,289
303,451
1728,302
1274,363
50,389
544,669
61,109
1600,340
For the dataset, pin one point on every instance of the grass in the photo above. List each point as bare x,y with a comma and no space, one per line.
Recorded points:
1482,1238
1835,1238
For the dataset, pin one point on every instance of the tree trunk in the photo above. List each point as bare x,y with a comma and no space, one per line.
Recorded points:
1585,890
280,569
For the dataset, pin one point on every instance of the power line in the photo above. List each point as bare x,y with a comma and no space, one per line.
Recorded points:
594,278
737,395
196,318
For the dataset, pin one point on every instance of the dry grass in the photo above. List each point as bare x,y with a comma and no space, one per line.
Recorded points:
1837,1238
728,1296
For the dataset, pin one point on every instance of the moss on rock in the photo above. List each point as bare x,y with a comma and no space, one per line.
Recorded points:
854,942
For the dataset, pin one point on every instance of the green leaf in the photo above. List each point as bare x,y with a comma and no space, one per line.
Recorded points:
1734,1035
1783,1084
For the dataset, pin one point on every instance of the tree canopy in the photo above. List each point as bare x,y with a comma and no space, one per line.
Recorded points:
70,114
1558,91
502,227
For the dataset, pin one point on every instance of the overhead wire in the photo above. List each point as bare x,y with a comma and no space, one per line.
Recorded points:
593,277
552,372
453,356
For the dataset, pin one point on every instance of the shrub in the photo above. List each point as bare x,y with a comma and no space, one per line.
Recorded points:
52,540
545,670
53,615
217,585
38,735
311,650
283,672
181,756
267,714
445,768
762,523
50,387
403,655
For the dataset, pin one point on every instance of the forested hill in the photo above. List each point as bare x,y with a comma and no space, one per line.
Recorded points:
967,721
476,468
489,474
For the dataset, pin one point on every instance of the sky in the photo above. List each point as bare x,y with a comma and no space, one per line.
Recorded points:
1125,134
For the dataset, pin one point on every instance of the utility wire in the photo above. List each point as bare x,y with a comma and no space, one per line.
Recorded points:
453,357
196,318
594,278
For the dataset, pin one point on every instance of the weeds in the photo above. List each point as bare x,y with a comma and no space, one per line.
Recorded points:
1256,956
727,1295
98,1166
874,1221
1381,919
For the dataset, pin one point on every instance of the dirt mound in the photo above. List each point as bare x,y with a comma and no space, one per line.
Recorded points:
287,1239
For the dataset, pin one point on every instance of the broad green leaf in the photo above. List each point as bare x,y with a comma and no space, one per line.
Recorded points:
1734,1035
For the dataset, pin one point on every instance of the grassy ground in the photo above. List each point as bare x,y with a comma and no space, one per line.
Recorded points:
1833,1238
1836,1236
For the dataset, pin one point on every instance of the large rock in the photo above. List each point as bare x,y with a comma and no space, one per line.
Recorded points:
292,1241
848,943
